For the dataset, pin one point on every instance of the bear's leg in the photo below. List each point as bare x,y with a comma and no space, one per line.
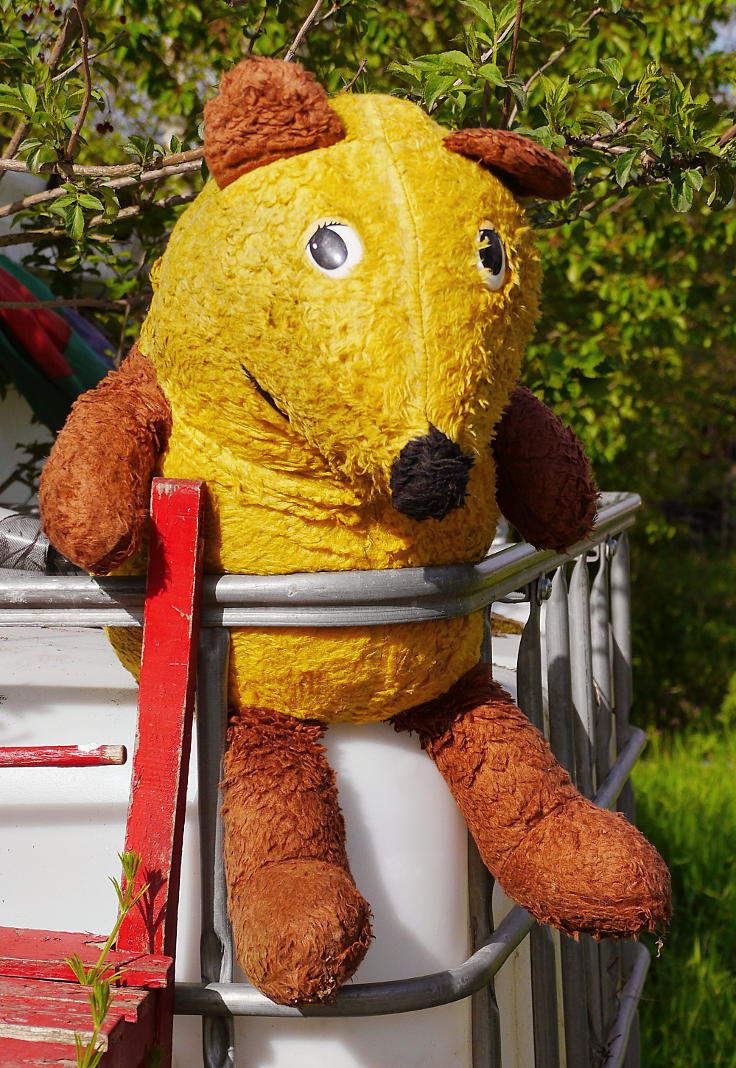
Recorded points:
571,864
300,926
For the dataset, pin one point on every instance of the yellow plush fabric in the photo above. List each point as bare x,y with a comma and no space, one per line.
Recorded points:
358,365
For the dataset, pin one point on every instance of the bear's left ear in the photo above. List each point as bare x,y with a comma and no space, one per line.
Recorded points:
523,165
266,110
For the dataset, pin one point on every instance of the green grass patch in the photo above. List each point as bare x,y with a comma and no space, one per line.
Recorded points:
685,788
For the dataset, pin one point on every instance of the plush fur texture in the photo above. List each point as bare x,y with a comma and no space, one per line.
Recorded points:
94,496
430,477
525,167
571,864
263,112
300,925
294,393
544,485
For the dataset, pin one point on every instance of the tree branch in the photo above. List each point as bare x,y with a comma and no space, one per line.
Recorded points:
512,62
303,31
56,53
554,57
81,117
130,174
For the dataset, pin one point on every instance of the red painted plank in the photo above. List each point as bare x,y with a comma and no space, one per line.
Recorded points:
61,756
166,702
34,954
14,1053
13,989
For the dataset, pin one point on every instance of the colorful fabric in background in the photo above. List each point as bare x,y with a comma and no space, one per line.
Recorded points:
50,355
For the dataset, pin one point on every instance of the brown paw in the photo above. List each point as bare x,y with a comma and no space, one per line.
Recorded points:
584,869
301,929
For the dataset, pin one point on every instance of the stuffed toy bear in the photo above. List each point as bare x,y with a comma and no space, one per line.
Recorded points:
333,344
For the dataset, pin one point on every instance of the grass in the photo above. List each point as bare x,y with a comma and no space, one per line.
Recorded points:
686,804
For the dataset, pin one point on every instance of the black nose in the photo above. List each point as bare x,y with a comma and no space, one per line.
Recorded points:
430,477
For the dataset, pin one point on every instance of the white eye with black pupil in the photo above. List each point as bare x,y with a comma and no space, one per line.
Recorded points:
491,258
334,249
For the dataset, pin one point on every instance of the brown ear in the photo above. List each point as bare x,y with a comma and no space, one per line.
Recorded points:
266,110
523,165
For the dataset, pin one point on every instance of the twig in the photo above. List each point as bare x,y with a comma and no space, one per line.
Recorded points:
26,236
74,170
512,62
94,55
353,80
255,33
553,59
56,53
81,117
727,136
485,56
303,31
134,177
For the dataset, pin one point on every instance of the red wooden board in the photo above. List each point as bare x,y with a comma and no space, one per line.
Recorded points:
166,706
61,756
42,955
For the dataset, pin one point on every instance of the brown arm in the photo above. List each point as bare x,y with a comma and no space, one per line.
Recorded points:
544,484
96,483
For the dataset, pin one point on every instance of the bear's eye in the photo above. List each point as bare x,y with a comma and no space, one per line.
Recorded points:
334,249
491,257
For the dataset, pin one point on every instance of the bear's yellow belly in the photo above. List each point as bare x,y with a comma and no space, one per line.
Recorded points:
261,522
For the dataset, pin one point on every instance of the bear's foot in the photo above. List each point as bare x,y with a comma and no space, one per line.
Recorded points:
301,929
300,926
570,863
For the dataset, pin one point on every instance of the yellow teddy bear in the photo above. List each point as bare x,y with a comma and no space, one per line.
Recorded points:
336,331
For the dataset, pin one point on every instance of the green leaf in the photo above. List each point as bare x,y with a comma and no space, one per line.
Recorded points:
490,73
458,58
483,11
694,179
681,196
75,222
623,165
88,201
436,86
613,68
29,95
589,76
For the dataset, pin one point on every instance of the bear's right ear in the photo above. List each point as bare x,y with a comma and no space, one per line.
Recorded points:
266,110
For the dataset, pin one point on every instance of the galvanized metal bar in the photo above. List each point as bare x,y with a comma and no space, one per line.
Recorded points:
559,684
584,728
486,1025
369,999
543,971
621,1032
402,995
325,599
216,951
559,690
530,695
621,655
582,677
608,950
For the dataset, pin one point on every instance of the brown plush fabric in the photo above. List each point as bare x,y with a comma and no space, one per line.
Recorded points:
525,167
266,110
544,485
429,478
96,484
301,927
571,864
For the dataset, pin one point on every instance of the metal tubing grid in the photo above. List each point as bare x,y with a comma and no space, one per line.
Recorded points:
589,681
321,599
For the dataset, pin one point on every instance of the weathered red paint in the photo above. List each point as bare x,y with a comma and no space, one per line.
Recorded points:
61,756
41,1004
